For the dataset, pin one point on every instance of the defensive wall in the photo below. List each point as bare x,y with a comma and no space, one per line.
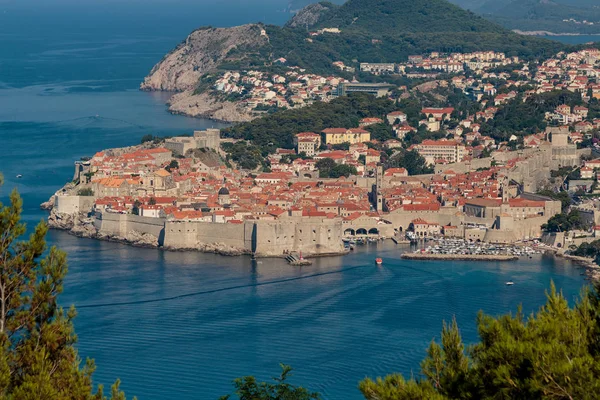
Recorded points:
311,236
121,225
66,204
194,234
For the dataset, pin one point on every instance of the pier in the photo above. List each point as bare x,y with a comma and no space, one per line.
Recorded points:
297,261
459,257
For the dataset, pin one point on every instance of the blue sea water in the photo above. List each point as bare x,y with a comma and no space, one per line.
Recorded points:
181,325
575,39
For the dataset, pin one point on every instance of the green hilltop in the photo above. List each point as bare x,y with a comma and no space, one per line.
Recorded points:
391,30
382,17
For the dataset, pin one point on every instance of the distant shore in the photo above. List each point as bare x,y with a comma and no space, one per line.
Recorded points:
548,33
459,257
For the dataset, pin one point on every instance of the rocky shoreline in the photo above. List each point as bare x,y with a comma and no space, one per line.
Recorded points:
206,106
82,226
592,270
548,33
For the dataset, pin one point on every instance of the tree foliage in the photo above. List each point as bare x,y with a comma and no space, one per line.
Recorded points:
330,169
563,197
278,129
38,359
553,354
85,192
247,388
521,118
411,160
400,28
564,222
245,155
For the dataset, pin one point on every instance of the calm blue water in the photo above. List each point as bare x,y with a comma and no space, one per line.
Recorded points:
183,325
575,39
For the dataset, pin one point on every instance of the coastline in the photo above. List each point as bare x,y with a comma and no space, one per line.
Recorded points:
206,106
83,227
548,33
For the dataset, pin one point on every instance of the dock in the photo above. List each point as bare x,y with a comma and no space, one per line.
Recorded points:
459,257
399,240
296,261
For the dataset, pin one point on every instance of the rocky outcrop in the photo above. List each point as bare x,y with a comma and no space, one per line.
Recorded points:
216,248
142,239
78,224
205,106
61,221
48,205
308,16
201,52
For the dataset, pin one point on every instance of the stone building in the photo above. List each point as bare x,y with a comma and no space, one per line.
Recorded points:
343,135
449,150
307,142
208,139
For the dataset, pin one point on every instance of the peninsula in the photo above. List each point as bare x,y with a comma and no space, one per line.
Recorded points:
473,143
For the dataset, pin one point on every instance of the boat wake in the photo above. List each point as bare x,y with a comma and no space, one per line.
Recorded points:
225,289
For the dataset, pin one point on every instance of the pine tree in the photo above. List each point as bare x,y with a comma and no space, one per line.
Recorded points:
38,359
553,354
248,388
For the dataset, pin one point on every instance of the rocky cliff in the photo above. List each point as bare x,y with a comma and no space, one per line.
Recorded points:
201,52
309,15
203,105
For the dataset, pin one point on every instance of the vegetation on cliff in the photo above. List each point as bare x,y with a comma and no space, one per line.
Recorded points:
391,30
38,358
552,354
538,15
370,31
278,130
521,118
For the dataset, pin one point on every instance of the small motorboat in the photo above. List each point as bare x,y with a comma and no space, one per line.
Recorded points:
510,283
19,176
378,261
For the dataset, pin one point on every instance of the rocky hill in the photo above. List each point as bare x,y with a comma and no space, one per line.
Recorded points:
370,31
202,51
310,15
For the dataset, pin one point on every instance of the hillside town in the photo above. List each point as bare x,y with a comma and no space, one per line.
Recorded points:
337,186
256,90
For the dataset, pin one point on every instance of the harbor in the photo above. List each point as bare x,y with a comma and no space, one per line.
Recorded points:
464,250
459,257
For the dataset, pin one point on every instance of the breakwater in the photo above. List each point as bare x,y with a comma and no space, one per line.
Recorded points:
459,257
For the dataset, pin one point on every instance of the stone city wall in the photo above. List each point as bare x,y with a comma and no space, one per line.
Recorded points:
65,204
264,238
197,234
311,236
121,225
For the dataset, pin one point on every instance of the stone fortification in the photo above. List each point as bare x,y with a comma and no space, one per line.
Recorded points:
311,236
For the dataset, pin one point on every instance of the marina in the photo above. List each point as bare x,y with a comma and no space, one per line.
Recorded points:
459,257
456,248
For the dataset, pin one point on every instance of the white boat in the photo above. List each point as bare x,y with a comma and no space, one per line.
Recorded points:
510,283
19,176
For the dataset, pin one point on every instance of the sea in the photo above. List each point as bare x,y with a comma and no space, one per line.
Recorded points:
183,325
